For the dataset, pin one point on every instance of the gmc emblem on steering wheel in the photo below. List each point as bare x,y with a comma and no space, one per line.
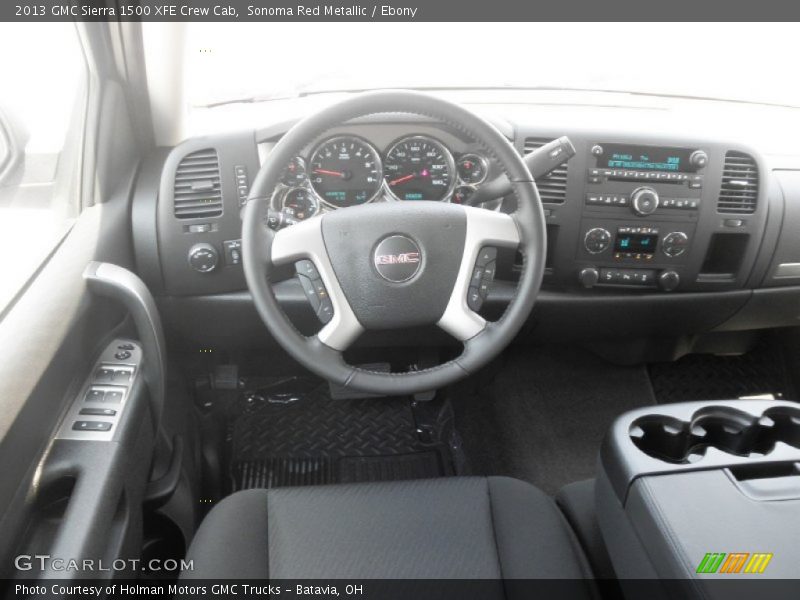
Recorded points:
397,258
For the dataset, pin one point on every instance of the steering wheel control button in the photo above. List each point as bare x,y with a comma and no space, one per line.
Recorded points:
325,310
485,256
397,258
307,268
477,275
91,426
97,412
474,299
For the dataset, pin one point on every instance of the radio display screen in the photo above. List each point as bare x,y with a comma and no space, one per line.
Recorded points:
639,243
644,158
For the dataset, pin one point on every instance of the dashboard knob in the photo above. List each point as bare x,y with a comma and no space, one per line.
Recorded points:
597,150
203,258
596,240
589,277
698,159
644,201
675,243
668,280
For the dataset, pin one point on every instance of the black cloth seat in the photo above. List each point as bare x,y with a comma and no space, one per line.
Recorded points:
460,527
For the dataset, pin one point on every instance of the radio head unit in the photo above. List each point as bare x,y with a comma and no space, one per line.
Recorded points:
645,158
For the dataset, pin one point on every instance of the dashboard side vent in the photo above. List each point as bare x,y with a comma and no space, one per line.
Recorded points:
553,187
197,191
739,191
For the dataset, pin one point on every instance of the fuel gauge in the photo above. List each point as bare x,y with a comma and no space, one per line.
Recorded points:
295,172
462,194
300,203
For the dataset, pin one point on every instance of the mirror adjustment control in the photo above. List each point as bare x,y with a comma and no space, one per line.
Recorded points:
203,258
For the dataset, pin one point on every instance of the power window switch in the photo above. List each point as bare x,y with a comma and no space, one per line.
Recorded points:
113,397
94,395
98,412
122,375
91,426
104,375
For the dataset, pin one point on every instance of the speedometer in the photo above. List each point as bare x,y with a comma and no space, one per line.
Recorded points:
419,168
345,171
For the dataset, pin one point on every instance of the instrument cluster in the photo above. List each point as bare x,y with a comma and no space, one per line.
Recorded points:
347,170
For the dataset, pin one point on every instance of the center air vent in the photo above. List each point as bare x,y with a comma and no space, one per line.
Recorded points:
739,191
197,191
552,187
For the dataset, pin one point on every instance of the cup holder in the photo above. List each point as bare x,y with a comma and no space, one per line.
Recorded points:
727,429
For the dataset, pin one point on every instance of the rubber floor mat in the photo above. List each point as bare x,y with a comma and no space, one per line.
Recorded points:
710,377
292,433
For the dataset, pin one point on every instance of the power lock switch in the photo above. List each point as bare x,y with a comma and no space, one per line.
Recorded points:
315,290
483,274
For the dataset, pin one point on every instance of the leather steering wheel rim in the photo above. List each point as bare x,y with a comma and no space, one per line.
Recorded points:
326,360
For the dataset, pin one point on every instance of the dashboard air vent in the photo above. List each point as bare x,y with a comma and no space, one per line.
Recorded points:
739,191
197,191
553,187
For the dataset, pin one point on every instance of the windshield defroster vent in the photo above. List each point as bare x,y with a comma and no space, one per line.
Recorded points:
197,191
553,187
739,191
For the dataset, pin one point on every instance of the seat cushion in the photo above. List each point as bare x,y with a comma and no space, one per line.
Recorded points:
469,528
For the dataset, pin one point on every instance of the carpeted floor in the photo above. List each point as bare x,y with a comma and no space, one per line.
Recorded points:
542,414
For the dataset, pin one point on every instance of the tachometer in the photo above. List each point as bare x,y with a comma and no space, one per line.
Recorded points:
419,168
345,171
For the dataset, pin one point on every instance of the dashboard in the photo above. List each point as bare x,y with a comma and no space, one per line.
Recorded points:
650,233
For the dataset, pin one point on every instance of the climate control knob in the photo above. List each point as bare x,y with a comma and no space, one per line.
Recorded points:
203,258
675,243
597,240
644,201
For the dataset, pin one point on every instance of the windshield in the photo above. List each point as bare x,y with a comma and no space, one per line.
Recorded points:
268,61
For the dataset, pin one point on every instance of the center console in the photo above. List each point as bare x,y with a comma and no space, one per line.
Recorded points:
699,494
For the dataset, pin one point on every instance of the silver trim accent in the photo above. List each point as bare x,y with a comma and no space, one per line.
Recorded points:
451,164
305,240
378,164
787,271
484,228
482,160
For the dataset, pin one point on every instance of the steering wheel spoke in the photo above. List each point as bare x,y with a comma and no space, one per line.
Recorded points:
486,232
304,245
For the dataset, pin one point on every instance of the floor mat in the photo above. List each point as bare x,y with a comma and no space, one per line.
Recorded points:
709,377
290,432
542,415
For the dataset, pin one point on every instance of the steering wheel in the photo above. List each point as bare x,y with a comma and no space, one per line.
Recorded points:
394,265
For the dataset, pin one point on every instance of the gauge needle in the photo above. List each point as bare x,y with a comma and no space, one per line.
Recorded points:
326,172
403,179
